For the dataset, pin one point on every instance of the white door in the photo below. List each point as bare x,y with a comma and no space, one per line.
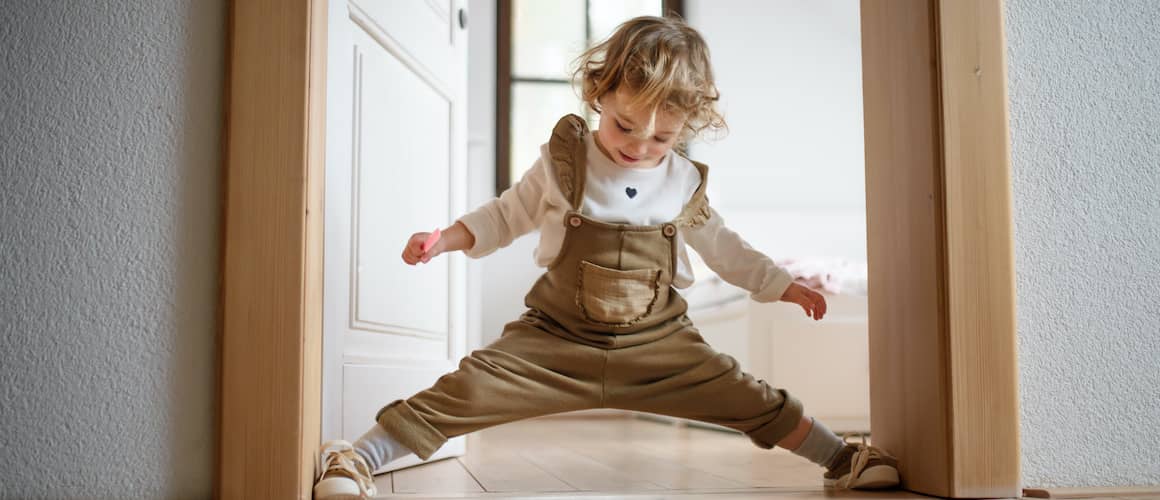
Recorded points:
395,164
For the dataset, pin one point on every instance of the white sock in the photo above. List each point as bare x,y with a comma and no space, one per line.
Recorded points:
821,445
379,448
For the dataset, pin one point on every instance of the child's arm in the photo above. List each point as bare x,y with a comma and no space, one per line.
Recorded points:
495,224
736,262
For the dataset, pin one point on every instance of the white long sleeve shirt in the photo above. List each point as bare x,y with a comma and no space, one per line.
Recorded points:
615,194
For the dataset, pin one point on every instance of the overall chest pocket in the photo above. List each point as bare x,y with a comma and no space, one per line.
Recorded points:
614,297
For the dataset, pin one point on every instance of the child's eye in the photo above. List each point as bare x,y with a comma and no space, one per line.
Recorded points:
662,141
621,127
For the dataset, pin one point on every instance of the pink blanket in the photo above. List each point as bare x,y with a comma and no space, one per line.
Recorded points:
836,276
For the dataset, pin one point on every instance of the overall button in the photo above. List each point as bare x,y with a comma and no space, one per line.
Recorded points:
669,230
574,221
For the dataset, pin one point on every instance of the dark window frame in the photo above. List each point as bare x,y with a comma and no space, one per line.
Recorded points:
504,82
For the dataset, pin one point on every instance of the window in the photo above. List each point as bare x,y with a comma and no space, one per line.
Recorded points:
538,42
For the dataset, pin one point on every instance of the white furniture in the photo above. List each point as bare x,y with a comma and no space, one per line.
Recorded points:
823,363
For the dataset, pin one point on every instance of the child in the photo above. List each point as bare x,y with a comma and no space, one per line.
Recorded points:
605,327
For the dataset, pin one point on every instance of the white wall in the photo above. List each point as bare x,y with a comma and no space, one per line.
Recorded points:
507,274
481,82
1084,90
110,120
789,176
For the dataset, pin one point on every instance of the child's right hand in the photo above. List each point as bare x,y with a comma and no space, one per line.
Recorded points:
413,252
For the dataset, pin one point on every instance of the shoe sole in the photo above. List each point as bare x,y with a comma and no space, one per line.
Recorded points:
877,477
337,489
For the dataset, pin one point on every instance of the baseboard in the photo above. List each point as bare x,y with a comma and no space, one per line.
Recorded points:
1108,491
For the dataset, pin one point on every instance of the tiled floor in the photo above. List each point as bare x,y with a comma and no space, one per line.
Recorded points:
561,457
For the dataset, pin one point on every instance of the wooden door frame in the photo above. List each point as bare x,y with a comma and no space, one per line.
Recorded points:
942,299
943,367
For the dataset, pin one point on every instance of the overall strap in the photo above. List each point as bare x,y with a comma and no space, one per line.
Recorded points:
570,157
696,211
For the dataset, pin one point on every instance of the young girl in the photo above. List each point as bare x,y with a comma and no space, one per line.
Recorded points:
605,327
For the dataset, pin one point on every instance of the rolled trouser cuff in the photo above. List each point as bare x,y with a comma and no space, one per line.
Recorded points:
404,424
768,435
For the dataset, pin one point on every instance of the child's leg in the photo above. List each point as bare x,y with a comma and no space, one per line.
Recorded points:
794,439
681,375
526,373
377,447
813,441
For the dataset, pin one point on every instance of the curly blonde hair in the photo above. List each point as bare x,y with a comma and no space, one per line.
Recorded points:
663,62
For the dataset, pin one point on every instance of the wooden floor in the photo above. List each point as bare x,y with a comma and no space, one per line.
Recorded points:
609,456
614,457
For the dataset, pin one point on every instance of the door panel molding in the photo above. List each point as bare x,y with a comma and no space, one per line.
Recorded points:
366,58
364,21
938,170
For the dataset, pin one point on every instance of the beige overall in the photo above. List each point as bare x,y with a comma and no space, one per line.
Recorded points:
604,329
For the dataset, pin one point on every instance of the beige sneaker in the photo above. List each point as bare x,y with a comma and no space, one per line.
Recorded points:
862,467
343,474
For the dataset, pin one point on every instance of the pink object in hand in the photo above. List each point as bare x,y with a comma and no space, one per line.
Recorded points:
431,240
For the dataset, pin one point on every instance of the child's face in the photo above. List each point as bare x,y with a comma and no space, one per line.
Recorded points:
635,138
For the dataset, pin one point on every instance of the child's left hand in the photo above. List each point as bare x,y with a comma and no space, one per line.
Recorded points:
811,301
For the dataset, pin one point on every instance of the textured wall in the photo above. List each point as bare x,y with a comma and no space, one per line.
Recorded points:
109,163
1084,87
